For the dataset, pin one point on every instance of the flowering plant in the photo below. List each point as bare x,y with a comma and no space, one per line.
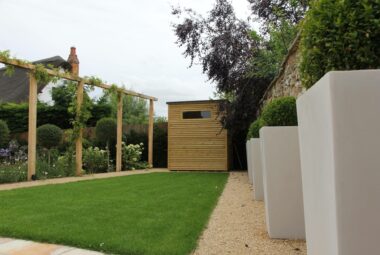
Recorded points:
95,160
132,156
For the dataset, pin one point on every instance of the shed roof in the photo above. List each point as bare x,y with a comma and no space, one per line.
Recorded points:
16,88
197,101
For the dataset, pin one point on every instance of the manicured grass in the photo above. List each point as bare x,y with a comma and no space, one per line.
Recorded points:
160,213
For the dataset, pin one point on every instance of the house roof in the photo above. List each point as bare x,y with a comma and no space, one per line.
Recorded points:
16,87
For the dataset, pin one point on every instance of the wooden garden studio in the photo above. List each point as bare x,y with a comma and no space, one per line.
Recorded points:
74,76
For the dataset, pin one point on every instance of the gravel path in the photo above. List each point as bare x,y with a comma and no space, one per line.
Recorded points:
237,225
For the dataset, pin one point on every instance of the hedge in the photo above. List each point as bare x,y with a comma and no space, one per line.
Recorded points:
16,115
160,144
339,35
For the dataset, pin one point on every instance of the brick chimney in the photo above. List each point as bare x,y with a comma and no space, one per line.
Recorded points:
73,61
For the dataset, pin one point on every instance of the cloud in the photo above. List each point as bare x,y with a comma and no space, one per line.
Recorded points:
125,42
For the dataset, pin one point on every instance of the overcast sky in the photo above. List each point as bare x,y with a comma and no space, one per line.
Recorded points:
128,42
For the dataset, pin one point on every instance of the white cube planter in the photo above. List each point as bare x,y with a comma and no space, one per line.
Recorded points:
339,131
257,172
282,182
249,160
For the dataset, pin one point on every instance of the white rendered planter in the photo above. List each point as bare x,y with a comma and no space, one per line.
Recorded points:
257,170
249,160
339,130
282,182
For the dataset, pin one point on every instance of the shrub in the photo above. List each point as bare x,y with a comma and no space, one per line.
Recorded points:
13,172
132,157
44,170
254,128
280,112
66,163
106,131
49,136
339,35
160,143
4,134
95,160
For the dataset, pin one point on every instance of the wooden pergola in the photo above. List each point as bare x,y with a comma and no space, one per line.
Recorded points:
32,120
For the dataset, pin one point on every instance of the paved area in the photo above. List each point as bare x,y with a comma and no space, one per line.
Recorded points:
237,225
76,179
20,247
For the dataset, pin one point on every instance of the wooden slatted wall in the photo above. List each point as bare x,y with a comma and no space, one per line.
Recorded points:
196,144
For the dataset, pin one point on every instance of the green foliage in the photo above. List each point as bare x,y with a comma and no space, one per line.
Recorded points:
339,35
64,94
132,157
4,134
271,51
135,110
160,144
106,131
49,136
280,112
95,160
5,54
16,115
254,128
160,119
66,163
46,170
93,80
13,172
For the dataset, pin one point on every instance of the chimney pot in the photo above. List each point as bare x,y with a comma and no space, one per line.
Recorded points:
73,61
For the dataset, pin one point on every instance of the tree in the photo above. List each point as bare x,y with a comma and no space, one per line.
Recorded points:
135,110
272,50
240,61
223,45
275,12
63,95
220,42
49,136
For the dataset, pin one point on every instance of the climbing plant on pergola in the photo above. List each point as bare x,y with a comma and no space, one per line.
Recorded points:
38,71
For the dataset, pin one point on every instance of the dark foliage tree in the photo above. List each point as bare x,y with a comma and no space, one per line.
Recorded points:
275,12
222,44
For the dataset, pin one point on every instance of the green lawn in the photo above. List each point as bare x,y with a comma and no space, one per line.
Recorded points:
159,213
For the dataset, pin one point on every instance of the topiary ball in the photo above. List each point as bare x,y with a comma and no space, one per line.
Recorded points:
105,130
254,128
4,134
49,136
280,112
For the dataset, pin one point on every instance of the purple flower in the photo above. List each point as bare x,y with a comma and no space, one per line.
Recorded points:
4,153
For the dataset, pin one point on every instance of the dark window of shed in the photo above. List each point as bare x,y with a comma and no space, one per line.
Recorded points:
196,115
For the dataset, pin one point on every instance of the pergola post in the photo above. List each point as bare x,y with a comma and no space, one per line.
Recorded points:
119,131
150,134
32,127
78,142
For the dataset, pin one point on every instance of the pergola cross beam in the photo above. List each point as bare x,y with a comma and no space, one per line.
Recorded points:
32,125
71,77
